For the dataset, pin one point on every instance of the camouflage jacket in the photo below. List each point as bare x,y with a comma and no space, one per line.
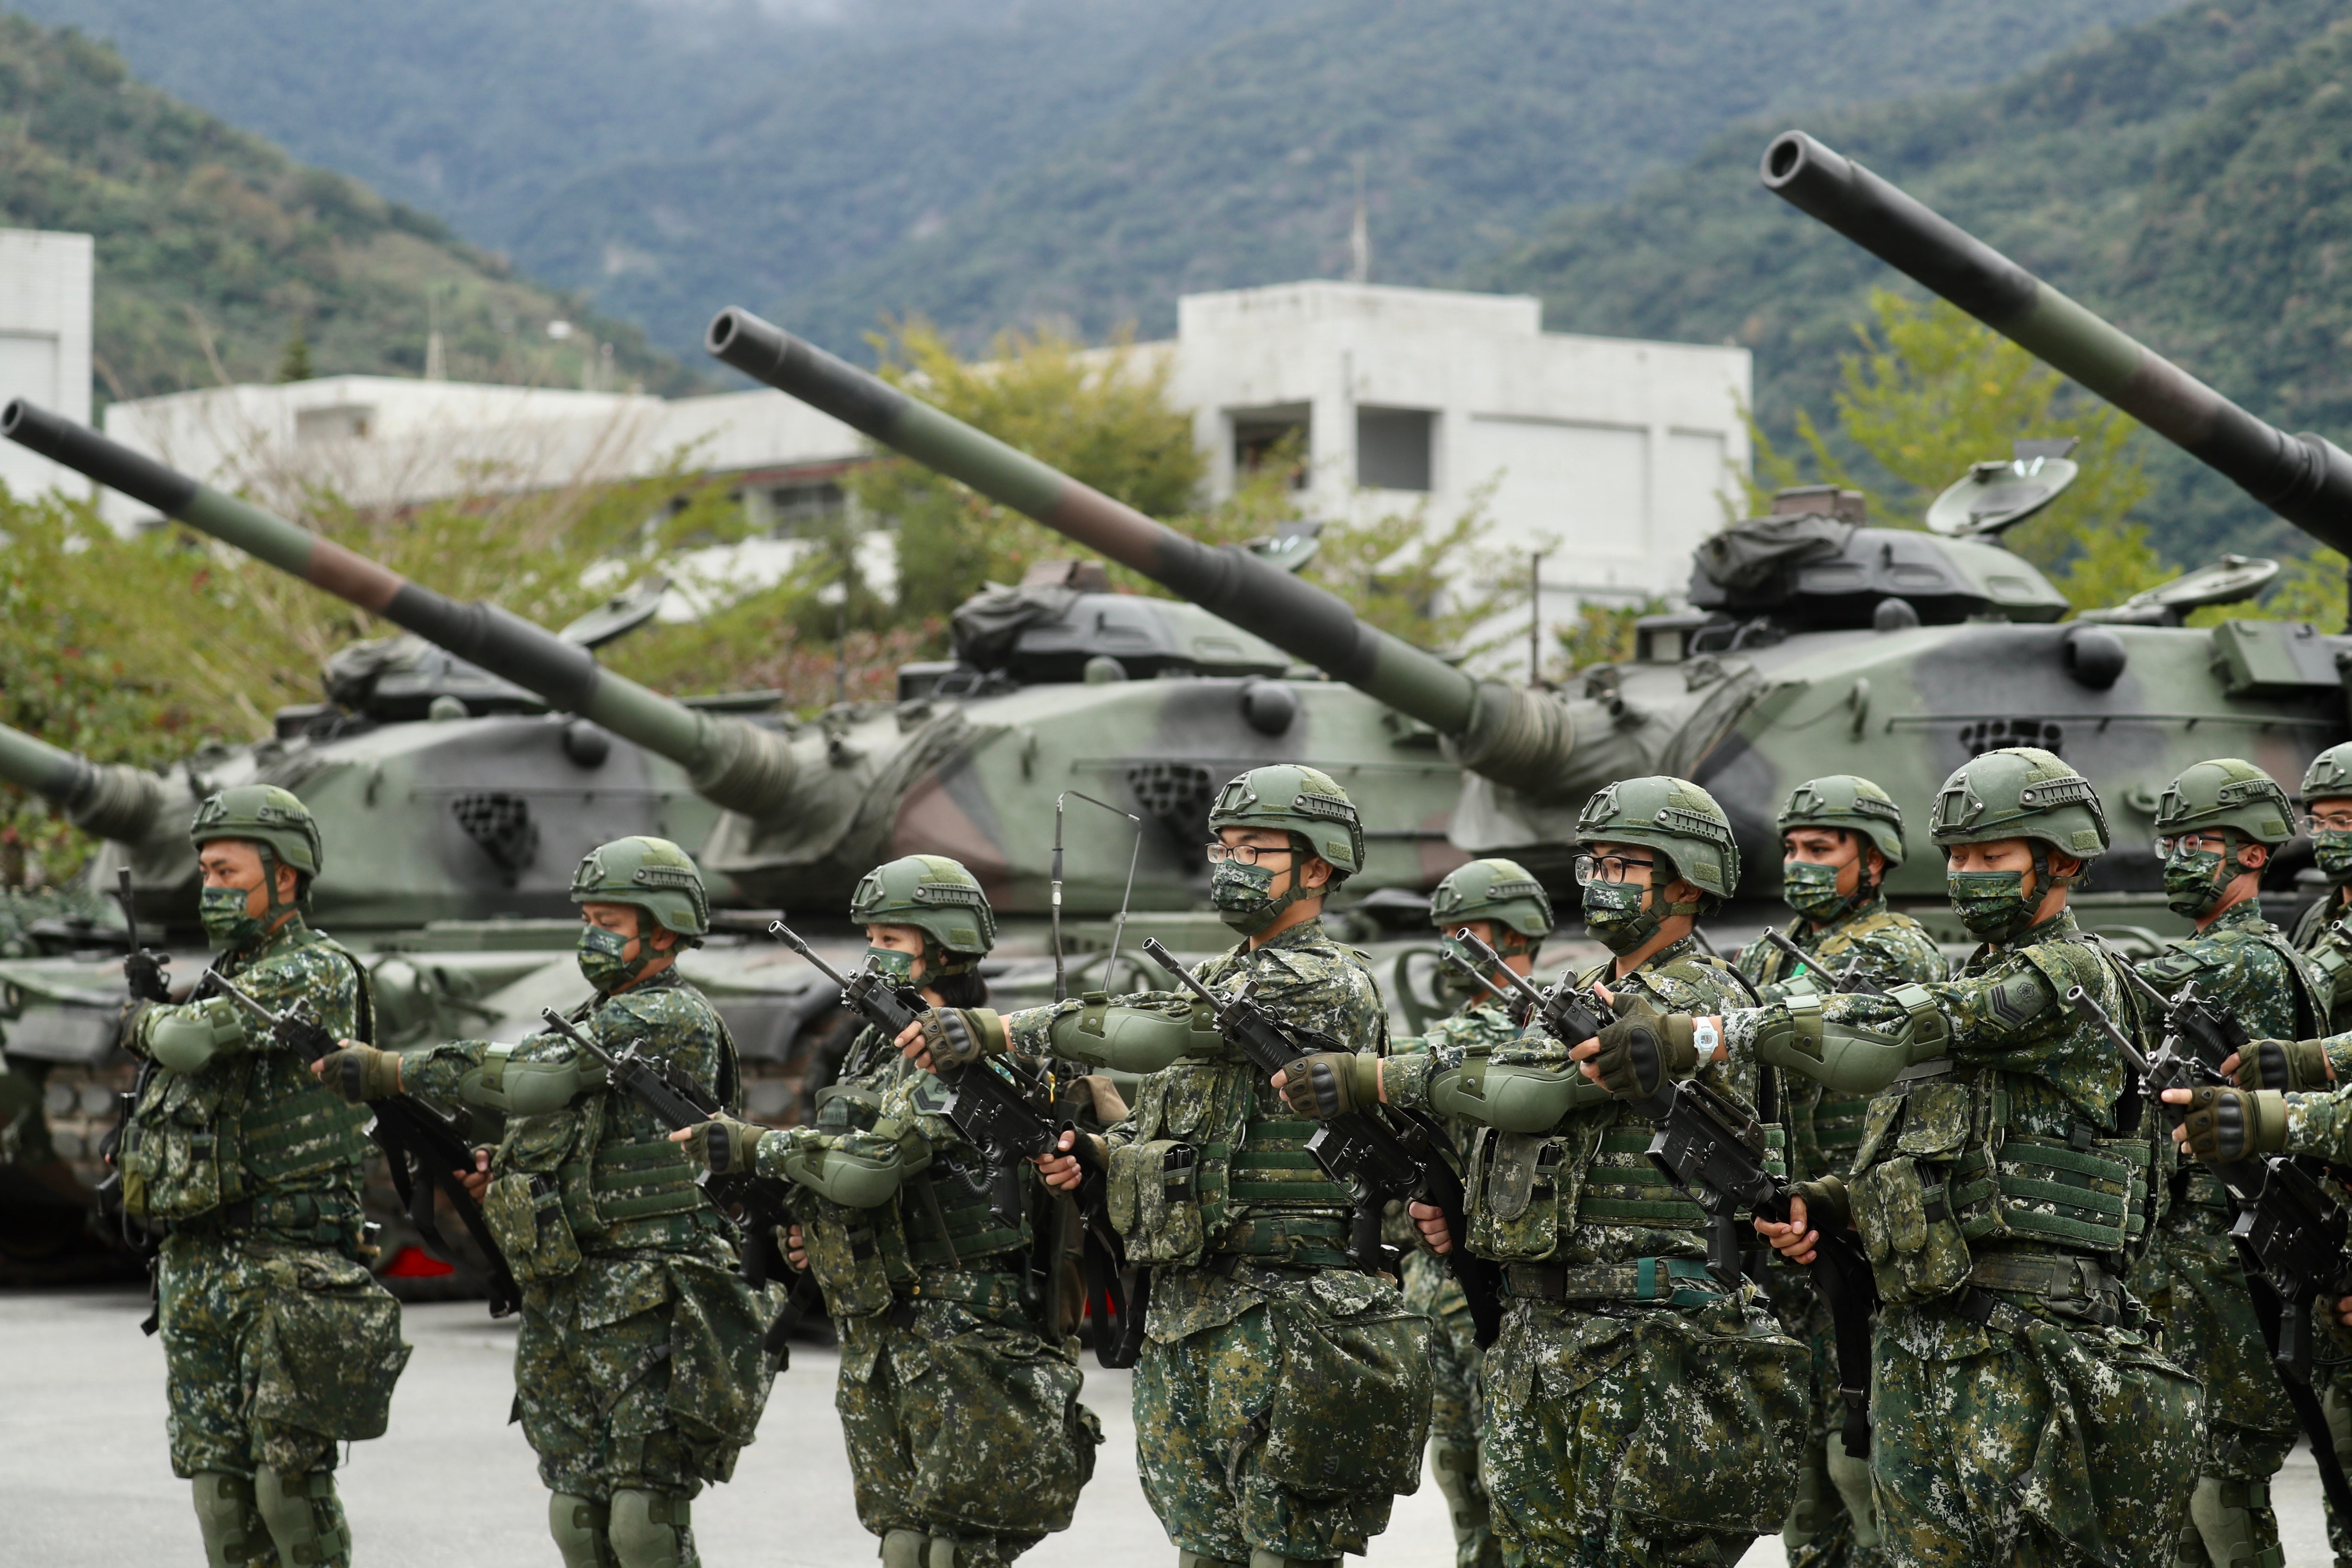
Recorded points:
277,1130
2244,964
1474,1030
1825,1127
624,1184
2331,954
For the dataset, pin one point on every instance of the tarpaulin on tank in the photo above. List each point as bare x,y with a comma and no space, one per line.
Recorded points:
1744,557
985,626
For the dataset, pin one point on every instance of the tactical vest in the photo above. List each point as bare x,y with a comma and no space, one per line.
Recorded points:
2330,956
1950,1191
250,1141
1834,1121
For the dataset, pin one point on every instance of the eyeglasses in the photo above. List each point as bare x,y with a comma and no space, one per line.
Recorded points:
1242,854
1607,868
2329,822
2192,844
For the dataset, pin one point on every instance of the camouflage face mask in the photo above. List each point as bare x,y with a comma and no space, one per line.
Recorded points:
897,967
2332,848
1619,915
226,924
1243,896
601,961
1991,904
1812,890
2193,883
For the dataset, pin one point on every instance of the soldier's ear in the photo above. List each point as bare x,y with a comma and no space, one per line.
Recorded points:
1314,872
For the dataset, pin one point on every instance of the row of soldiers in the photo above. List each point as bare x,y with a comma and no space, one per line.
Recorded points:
2067,1367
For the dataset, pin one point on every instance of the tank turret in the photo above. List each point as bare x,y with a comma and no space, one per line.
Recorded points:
2306,479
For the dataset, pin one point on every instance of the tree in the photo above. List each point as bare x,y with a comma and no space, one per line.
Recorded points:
294,364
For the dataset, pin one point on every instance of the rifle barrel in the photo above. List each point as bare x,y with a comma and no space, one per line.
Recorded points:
799,944
2080,998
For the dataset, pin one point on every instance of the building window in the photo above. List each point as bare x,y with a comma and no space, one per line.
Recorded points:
1268,434
794,511
336,422
1392,448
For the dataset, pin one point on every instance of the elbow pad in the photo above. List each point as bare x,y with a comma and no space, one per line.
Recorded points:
186,1038
1132,1039
1513,1098
1848,1057
524,1089
859,1171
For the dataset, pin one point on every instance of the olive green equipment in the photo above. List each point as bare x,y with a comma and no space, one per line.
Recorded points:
651,874
938,897
1672,817
1495,889
2329,777
2226,793
1848,802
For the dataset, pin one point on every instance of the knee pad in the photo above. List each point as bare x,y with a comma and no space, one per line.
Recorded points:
579,1526
232,1527
651,1531
1261,1558
1199,1559
1456,1469
1851,1477
905,1549
304,1518
2227,1515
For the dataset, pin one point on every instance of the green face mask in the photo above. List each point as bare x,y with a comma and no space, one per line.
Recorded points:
2192,883
1812,890
601,964
226,925
2332,847
1243,896
897,967
1991,904
1616,915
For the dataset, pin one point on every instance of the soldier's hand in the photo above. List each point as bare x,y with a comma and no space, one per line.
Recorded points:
1795,1240
2284,1065
1430,1223
2225,1124
477,1181
951,1038
1329,1084
723,1145
1062,1169
1636,1054
359,1072
796,1249
142,973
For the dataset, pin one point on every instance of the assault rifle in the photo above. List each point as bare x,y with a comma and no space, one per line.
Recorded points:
1411,1157
142,973
678,1102
2291,1225
423,1148
1715,1152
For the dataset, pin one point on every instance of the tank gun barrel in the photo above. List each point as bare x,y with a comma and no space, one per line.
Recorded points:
108,799
2306,479
1517,737
736,764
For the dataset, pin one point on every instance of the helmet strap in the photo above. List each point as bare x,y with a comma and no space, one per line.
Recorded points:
939,963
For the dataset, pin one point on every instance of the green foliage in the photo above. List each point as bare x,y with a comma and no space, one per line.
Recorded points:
1601,633
294,364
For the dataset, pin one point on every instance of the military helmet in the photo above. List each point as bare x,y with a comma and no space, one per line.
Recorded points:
2228,792
1673,816
653,874
1303,801
1852,803
2020,792
932,893
266,815
2329,777
1498,890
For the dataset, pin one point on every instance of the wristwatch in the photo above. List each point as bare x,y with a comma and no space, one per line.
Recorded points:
1704,1038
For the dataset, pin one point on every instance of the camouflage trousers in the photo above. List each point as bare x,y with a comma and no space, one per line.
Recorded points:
2196,1289
1454,1413
272,1354
1820,1529
2029,1441
1278,1410
963,1422
1632,1436
639,1371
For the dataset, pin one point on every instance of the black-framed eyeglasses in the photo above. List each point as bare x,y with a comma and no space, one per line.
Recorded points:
2174,844
1607,868
1243,854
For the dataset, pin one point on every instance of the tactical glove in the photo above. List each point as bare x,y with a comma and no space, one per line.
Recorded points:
959,1036
2289,1066
361,1073
1643,1050
1827,1206
725,1145
2226,1124
1331,1083
142,972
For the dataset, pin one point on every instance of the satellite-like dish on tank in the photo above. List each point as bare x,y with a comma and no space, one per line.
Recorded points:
2229,580
619,615
1996,495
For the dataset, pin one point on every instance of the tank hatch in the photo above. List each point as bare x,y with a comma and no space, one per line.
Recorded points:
391,681
1812,565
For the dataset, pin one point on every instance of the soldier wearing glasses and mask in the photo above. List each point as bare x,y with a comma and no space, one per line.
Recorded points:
2327,818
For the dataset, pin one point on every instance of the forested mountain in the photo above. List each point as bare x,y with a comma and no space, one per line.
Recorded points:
987,162
214,249
2190,178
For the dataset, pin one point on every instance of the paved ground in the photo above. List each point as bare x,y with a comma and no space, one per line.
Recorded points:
84,1480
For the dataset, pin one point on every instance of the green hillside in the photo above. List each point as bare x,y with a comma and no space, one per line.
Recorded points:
214,246
989,162
2190,178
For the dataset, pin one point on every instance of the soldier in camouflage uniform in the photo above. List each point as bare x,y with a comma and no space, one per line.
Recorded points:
1839,835
1507,909
1637,1412
2002,1192
1282,1396
638,1374
960,1402
2217,824
277,1342
2327,808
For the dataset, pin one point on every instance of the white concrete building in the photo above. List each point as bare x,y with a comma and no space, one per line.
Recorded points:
45,343
1612,453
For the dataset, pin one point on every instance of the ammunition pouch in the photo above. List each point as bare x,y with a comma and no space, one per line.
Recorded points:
526,1213
1515,1180
852,1252
181,1154
1155,1195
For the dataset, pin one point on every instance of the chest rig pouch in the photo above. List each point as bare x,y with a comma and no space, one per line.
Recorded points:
527,1207
182,1154
1168,1189
856,1254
